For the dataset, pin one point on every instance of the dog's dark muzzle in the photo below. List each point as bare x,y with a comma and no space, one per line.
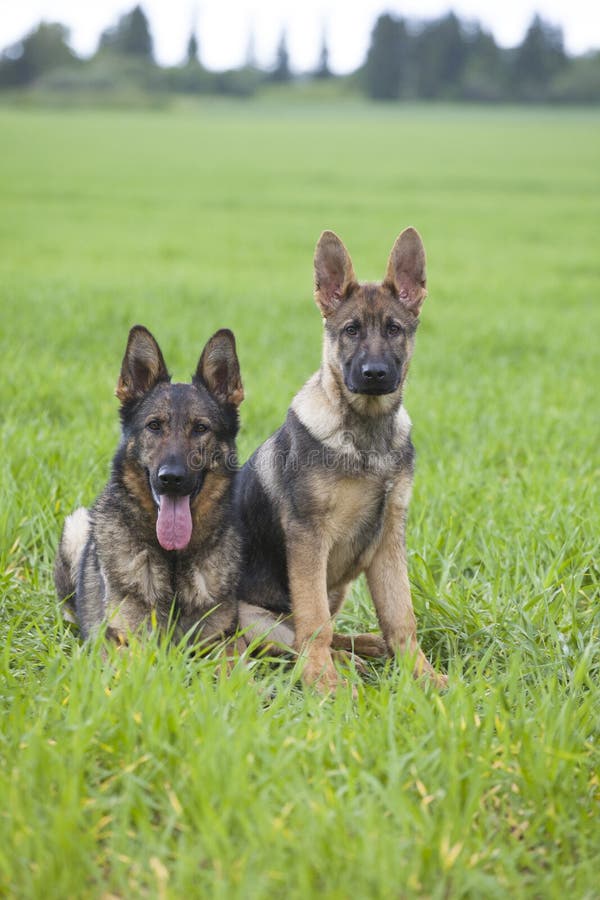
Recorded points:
176,480
375,377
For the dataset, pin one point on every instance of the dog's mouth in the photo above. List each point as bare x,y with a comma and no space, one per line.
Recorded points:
174,520
372,390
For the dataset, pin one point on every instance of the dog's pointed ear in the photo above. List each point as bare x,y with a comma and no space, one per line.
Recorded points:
142,368
333,272
219,369
406,270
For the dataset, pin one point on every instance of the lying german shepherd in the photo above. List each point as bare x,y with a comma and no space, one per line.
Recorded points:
325,498
163,527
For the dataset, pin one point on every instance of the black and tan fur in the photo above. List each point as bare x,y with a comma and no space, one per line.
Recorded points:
178,441
325,498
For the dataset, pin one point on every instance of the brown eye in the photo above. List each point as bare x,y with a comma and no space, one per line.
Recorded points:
393,329
352,329
153,425
199,428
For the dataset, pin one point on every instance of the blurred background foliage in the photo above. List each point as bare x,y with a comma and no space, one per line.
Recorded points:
441,59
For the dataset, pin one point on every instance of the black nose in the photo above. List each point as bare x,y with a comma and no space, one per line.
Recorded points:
374,371
171,476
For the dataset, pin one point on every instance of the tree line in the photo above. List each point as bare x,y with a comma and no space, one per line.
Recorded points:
439,59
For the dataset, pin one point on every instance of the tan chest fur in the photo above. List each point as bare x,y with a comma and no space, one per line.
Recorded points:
354,526
355,508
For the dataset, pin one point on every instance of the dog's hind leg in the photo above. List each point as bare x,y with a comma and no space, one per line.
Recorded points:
351,648
266,627
367,644
266,630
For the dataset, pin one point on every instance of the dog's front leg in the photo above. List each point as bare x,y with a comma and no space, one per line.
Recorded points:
387,577
307,572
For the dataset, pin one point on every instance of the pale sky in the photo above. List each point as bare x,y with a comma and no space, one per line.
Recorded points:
224,26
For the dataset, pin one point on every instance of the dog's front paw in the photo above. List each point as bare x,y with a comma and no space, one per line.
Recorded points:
348,659
425,672
319,672
441,682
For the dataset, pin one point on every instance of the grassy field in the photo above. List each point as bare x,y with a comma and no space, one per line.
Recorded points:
149,775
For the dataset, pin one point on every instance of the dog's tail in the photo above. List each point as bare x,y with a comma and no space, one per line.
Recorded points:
70,550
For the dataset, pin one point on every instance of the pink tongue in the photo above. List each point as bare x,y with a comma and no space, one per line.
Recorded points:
174,523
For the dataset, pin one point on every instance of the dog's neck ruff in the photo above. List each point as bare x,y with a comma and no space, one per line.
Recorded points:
323,408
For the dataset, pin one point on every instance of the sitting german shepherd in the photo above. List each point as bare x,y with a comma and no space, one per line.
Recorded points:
325,498
163,527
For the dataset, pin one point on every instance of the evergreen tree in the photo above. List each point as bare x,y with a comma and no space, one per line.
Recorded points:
192,49
282,72
323,70
485,74
385,65
441,55
538,60
130,36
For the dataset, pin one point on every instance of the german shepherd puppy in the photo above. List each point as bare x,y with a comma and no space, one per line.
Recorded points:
325,498
162,530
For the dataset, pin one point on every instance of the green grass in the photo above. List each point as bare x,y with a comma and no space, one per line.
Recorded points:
153,776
